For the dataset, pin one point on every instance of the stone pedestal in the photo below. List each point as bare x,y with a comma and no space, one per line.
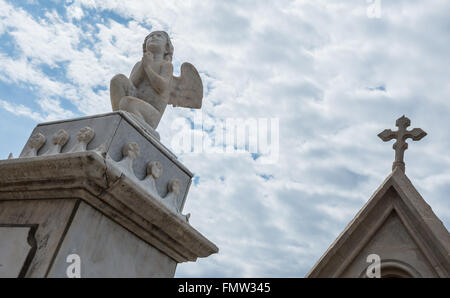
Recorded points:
103,188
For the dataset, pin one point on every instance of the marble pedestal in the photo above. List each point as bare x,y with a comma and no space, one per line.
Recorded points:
103,188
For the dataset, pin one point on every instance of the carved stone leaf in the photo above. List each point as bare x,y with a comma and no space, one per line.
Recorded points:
60,138
37,141
85,135
154,169
131,150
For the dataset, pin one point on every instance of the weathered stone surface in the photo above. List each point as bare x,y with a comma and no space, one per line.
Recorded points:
14,250
59,139
33,145
108,250
84,137
49,217
394,244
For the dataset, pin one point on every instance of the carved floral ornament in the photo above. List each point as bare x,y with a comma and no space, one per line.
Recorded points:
154,169
58,141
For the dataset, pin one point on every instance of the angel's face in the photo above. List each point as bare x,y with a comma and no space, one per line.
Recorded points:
156,41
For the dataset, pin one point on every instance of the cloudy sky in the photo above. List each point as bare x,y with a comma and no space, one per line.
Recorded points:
332,74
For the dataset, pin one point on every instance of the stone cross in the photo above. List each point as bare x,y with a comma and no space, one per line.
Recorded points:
401,135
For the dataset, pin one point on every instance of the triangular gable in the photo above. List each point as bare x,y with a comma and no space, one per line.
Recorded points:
395,209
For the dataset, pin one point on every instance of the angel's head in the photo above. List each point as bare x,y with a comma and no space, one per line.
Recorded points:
159,38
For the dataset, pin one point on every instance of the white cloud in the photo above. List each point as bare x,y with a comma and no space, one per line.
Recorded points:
75,12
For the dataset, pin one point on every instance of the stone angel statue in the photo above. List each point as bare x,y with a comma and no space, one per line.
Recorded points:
152,85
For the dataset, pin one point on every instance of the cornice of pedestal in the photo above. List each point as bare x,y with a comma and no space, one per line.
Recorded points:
106,185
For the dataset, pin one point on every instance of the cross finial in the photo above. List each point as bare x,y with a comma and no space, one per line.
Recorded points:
401,135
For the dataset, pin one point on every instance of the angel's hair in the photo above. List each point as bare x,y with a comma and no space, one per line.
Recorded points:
169,47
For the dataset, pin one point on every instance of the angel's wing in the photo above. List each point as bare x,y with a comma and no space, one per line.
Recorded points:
187,89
